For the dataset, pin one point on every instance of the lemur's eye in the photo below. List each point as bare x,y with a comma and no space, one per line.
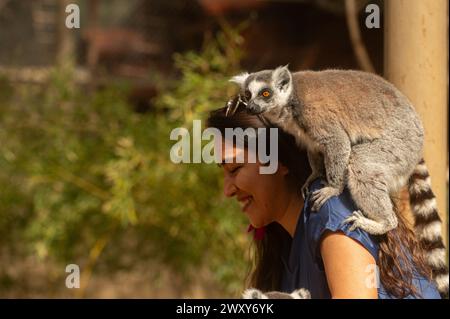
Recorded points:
265,93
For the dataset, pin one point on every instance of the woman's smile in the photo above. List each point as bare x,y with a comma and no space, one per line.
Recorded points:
245,202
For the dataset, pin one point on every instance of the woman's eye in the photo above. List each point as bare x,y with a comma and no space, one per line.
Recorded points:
233,170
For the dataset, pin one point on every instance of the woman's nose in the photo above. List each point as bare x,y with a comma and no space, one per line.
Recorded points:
229,189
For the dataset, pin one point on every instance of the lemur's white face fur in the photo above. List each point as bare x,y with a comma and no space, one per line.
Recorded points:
265,90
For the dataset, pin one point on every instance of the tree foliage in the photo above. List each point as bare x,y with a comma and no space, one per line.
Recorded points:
87,180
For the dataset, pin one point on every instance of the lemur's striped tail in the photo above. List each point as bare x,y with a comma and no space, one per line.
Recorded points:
428,225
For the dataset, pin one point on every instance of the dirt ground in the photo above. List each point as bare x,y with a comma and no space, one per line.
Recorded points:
32,278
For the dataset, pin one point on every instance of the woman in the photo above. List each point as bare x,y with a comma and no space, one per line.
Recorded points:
298,248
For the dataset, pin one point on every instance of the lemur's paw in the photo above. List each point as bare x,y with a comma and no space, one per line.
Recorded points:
307,184
357,219
319,197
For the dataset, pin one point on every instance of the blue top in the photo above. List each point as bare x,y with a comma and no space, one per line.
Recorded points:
303,266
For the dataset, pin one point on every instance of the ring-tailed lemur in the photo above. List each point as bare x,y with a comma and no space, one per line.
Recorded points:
359,131
254,293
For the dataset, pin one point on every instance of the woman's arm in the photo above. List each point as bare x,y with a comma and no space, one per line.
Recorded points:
346,262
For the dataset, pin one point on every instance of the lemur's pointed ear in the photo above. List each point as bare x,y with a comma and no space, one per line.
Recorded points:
240,78
282,77
301,293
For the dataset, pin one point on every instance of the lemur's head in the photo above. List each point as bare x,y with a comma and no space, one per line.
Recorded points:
265,90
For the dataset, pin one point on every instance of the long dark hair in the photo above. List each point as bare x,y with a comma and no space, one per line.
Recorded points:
400,256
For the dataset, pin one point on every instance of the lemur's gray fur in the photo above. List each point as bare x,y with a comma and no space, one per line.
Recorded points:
254,293
359,131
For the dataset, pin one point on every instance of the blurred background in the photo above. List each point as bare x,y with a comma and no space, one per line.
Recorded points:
86,114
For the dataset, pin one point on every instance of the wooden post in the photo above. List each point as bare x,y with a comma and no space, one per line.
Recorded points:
416,61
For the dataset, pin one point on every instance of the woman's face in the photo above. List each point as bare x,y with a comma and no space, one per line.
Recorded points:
263,197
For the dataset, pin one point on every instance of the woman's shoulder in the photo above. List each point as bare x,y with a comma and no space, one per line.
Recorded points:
331,216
